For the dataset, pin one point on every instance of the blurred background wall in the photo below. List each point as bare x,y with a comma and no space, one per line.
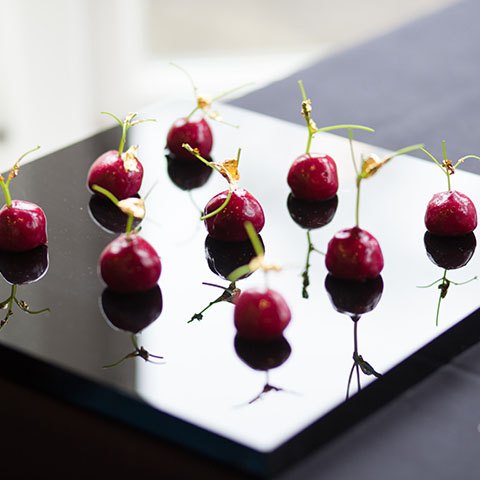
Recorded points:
63,61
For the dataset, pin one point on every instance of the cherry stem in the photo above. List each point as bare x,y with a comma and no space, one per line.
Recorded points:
352,151
357,204
461,160
104,191
226,296
306,115
239,272
194,152
12,174
126,124
220,208
424,150
344,127
305,274
114,200
440,297
253,236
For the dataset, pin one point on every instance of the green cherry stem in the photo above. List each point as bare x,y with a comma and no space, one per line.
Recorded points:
126,124
424,150
306,108
443,291
461,160
104,191
220,208
114,200
212,165
305,274
240,272
357,203
352,151
5,184
344,127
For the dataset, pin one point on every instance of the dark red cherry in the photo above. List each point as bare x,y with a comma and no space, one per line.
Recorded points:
132,312
196,133
313,176
188,175
229,223
261,314
311,215
450,214
261,355
19,268
450,252
121,177
224,257
130,264
354,298
23,226
354,254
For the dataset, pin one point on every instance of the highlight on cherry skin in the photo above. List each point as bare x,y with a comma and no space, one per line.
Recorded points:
118,171
23,224
450,213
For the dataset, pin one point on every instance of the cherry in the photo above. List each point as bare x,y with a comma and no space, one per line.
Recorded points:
228,224
450,214
224,257
132,312
19,268
450,253
354,254
119,172
187,175
23,225
196,133
261,314
354,298
313,177
130,264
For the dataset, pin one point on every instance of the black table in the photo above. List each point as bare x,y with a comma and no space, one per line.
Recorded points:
429,432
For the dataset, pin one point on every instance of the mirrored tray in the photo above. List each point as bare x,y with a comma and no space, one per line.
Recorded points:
258,408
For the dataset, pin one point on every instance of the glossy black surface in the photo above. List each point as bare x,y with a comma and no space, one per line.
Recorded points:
207,379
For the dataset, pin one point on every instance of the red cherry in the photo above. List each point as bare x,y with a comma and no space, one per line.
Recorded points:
121,178
354,254
196,133
23,226
261,314
450,214
228,224
130,264
313,176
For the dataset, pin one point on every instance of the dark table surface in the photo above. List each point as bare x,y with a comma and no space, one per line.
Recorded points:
416,84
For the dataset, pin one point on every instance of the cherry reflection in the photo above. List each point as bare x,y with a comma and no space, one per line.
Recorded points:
263,356
355,299
310,216
132,313
223,258
22,268
448,253
108,216
187,174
